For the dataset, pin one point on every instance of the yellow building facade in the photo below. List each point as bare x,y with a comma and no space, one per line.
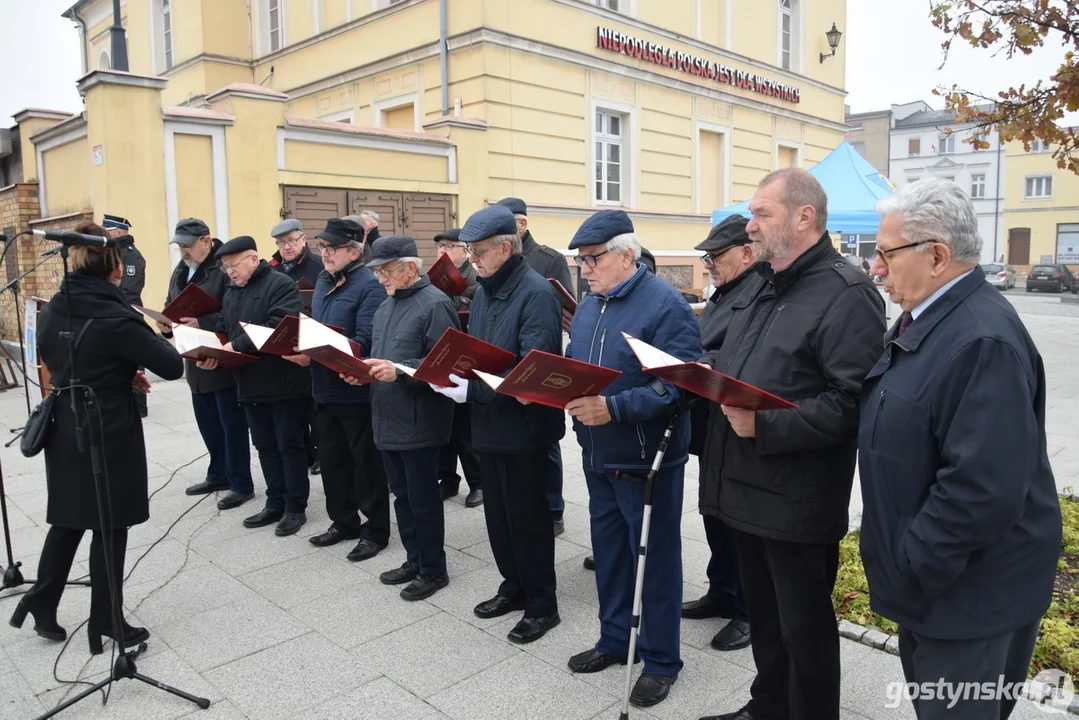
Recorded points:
253,110
1041,213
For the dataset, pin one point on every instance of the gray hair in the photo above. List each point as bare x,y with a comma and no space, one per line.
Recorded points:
800,189
418,262
353,245
624,242
370,214
939,210
514,240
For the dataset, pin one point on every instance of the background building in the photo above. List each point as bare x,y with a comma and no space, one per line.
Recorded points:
870,135
1041,215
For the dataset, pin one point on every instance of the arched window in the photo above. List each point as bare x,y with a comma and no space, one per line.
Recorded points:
103,61
788,35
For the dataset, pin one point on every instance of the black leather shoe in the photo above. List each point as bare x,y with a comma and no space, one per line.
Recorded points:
233,499
365,550
702,608
403,574
449,489
742,714
733,636
264,518
290,523
592,661
532,629
331,537
651,690
314,468
205,487
424,587
589,563
497,607
474,498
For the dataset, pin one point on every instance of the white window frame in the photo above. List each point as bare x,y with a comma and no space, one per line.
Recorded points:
790,145
795,49
629,156
607,141
914,154
393,103
1047,183
342,116
167,55
377,5
316,17
946,144
1038,146
108,60
715,129
977,182
280,7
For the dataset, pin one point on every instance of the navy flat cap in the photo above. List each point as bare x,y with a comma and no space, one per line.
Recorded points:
390,248
285,227
516,205
189,230
451,235
340,231
730,232
489,222
115,222
237,245
601,227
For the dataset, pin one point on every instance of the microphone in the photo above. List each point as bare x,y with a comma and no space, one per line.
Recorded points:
69,237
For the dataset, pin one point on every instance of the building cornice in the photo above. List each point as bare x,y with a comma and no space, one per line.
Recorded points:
41,114
248,90
197,115
60,134
116,77
585,211
207,57
457,121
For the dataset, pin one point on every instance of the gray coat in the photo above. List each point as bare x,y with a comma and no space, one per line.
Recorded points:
408,414
548,262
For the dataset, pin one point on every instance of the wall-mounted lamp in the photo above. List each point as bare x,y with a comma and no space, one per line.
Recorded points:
833,36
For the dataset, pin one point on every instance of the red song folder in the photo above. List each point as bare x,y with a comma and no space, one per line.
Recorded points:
445,276
192,302
332,349
460,354
551,380
305,284
703,380
276,341
196,344
568,303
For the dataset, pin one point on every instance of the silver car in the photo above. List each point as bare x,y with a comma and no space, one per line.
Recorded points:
999,275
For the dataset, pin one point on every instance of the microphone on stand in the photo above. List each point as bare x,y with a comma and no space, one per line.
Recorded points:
68,237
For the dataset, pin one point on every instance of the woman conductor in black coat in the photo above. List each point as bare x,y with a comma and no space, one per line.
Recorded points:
108,356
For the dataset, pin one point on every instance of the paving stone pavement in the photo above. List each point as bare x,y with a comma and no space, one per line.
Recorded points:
269,627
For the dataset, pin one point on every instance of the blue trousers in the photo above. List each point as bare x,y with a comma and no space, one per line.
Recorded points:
553,482
413,478
616,508
277,434
223,425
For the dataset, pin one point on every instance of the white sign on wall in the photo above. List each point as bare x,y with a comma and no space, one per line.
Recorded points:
99,155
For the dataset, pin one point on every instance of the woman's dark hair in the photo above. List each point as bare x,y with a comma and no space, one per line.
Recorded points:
95,261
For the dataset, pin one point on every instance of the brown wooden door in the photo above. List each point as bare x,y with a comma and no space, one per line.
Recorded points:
1019,246
386,204
425,217
313,207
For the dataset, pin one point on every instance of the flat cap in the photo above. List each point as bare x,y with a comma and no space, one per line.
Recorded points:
451,235
340,231
516,205
237,245
487,223
190,230
648,260
115,222
390,248
730,232
285,227
601,227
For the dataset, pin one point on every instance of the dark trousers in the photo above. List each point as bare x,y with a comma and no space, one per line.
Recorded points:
724,587
521,533
140,401
616,508
53,569
310,436
277,433
413,478
1001,660
795,637
553,473
460,446
223,425
352,472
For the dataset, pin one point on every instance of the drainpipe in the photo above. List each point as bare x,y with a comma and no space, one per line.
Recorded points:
442,52
73,14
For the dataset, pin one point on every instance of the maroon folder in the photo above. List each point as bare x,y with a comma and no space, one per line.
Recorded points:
445,276
305,284
553,380
225,358
342,362
568,303
192,302
460,354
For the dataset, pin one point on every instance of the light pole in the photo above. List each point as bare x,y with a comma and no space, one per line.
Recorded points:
119,42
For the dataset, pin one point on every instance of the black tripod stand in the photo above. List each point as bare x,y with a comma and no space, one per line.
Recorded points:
84,407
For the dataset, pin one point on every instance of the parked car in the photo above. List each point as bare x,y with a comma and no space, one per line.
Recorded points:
1000,276
1055,278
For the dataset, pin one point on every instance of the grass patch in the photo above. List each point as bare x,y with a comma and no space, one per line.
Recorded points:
1058,640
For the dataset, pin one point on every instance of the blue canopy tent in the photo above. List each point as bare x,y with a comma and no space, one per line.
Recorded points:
853,187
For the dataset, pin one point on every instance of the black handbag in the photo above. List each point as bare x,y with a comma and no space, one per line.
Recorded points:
36,431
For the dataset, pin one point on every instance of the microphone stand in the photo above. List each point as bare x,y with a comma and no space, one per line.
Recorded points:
124,667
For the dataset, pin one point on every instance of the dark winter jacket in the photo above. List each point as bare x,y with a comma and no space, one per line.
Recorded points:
408,414
464,300
117,343
548,262
307,265
134,278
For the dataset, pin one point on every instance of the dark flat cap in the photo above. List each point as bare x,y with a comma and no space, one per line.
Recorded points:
601,227
285,227
648,260
487,223
730,232
516,205
115,222
237,245
190,230
390,248
451,235
340,231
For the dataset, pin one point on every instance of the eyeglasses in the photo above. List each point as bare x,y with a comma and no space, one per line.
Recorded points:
329,249
589,260
225,267
709,259
882,255
478,253
449,246
294,241
385,270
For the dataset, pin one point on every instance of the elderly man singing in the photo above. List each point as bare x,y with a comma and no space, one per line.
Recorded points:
619,433
961,524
